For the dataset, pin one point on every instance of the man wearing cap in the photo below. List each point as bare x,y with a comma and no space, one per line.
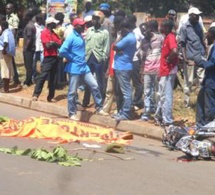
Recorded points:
171,15
191,37
97,51
73,49
51,42
108,21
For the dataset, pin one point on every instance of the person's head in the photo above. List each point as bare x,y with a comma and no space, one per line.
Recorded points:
39,19
28,15
4,25
167,26
171,14
143,28
120,13
9,8
79,25
133,20
211,35
72,16
60,17
106,9
51,23
126,27
153,25
2,18
97,19
35,10
88,21
117,21
194,14
88,5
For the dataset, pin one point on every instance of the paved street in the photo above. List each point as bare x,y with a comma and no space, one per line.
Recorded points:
148,168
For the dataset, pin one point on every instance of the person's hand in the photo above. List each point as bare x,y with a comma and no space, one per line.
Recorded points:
65,60
4,51
190,63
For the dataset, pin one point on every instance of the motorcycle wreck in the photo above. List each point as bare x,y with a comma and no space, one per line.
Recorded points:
196,143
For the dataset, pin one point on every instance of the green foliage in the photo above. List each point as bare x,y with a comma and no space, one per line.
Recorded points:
58,155
3,119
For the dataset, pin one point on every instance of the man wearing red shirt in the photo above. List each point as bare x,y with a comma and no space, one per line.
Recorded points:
168,70
51,42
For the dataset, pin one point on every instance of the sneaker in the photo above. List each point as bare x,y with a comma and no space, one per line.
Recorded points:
74,117
144,118
102,113
34,98
79,107
52,100
120,118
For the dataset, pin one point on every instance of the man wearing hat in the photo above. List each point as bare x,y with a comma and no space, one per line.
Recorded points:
51,42
73,49
191,37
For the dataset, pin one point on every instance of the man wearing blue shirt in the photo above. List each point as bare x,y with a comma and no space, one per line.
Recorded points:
125,50
7,52
205,107
73,49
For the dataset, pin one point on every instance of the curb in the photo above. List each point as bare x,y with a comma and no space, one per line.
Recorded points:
136,127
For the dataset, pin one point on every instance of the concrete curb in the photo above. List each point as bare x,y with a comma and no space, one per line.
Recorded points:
136,127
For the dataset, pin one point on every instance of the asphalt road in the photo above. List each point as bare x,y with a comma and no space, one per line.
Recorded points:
146,168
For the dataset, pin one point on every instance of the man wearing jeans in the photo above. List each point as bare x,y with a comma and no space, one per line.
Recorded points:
97,50
125,50
168,70
73,49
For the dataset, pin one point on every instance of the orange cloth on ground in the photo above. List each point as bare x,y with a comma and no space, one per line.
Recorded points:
60,130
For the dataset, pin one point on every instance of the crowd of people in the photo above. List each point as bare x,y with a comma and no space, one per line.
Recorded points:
107,55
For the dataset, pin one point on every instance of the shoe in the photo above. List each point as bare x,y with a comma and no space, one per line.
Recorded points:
158,121
85,105
74,117
52,100
144,118
114,115
120,118
34,98
102,113
79,107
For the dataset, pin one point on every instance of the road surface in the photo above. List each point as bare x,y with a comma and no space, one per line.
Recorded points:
148,168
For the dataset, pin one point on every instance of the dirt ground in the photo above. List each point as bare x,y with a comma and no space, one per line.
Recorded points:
181,114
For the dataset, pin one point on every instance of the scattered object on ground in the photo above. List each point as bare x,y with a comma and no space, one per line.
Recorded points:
3,119
59,155
115,148
91,145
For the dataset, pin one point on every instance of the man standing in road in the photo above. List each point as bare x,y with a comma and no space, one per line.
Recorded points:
13,22
73,49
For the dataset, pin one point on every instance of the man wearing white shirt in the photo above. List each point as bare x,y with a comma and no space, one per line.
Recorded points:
136,76
7,52
38,55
